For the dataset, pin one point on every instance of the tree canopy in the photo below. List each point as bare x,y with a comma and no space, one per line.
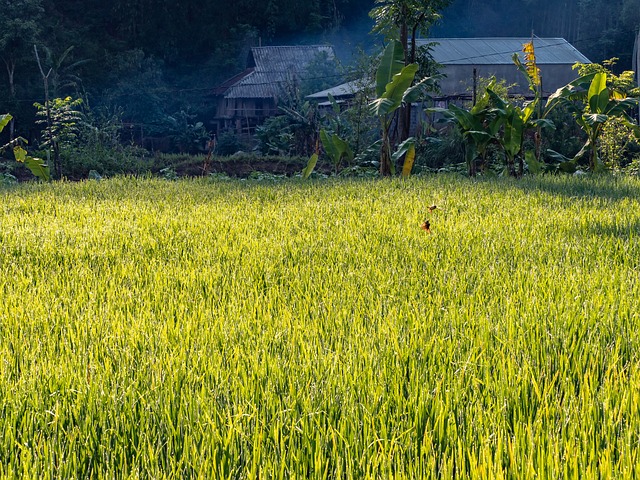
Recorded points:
152,58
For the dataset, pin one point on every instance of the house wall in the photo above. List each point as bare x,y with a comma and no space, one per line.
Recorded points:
459,78
242,115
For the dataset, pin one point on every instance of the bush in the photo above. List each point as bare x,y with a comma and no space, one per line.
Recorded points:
228,143
442,151
618,147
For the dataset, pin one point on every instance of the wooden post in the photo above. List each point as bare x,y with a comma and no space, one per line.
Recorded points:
475,86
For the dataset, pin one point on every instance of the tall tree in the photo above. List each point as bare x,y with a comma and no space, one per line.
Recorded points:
405,20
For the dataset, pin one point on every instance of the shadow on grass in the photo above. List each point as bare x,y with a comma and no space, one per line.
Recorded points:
600,186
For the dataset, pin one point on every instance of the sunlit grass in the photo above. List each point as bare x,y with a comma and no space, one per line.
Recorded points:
228,329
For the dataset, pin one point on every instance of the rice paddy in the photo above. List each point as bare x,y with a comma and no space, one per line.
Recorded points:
239,329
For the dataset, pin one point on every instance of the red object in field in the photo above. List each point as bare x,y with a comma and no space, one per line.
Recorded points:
426,225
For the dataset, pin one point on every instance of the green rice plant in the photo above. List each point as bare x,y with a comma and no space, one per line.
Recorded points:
248,329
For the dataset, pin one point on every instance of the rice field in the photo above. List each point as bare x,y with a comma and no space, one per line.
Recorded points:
286,330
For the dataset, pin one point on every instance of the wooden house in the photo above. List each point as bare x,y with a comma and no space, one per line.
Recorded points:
245,100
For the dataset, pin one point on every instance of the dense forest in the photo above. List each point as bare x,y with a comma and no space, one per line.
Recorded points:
153,60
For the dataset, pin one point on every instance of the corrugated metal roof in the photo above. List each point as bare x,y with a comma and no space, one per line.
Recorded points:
345,89
274,67
498,50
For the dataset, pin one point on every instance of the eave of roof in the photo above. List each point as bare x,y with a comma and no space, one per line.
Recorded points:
230,82
343,90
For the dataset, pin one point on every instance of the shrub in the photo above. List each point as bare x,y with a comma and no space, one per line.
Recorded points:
228,143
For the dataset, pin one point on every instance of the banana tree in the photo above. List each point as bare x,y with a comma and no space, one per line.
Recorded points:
394,89
593,108
516,121
337,149
479,128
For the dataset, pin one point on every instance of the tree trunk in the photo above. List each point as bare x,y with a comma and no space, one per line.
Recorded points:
52,141
11,69
385,153
520,166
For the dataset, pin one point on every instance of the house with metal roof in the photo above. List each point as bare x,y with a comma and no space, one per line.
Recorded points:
465,60
248,98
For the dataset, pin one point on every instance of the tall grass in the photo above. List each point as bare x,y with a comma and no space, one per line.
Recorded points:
202,329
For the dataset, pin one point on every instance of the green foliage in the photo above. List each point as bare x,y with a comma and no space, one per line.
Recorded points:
498,86
66,119
623,82
21,25
292,133
352,120
336,148
404,19
593,107
36,165
441,152
390,65
136,85
302,118
8,179
408,150
392,95
228,143
4,120
478,127
311,164
618,146
273,136
188,136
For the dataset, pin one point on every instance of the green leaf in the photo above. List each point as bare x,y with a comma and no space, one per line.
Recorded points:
394,92
336,147
575,90
496,100
534,165
311,164
410,149
391,64
414,92
513,133
329,146
4,120
544,123
342,148
598,93
464,118
592,119
36,165
20,154
403,148
528,110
